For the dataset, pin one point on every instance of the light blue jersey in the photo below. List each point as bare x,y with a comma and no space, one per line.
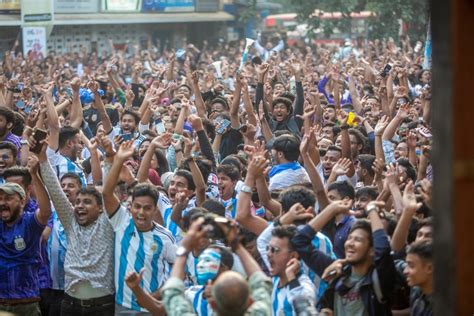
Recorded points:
57,246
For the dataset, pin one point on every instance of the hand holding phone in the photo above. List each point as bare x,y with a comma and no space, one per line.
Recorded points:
39,135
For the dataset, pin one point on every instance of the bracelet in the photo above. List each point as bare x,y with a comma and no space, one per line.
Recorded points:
134,183
277,222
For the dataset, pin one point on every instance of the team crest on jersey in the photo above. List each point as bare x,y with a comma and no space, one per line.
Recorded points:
154,247
19,243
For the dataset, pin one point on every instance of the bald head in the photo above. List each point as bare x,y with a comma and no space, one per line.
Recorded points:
231,294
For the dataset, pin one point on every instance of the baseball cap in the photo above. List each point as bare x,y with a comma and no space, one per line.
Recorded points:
12,188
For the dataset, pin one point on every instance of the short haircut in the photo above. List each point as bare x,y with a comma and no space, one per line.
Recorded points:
334,148
188,176
192,215
91,190
287,102
410,170
285,231
234,161
366,162
185,86
136,117
8,114
17,171
230,171
364,225
74,176
214,206
145,189
428,221
361,139
65,134
344,188
297,194
9,146
422,248
289,145
371,192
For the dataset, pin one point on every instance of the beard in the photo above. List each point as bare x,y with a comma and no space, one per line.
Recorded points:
15,214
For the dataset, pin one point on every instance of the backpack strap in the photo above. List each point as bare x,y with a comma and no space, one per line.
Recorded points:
376,286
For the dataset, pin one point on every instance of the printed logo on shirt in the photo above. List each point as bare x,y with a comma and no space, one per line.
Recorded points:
19,243
154,247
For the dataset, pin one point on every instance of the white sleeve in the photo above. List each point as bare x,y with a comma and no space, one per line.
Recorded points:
306,288
120,218
262,242
163,203
143,127
52,157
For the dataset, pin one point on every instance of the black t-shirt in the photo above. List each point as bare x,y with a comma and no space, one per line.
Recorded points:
91,116
229,143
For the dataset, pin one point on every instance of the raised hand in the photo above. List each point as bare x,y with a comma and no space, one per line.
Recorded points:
392,174
411,139
409,198
342,167
133,279
257,166
76,84
381,125
340,207
162,141
297,212
425,191
334,270
195,122
292,269
125,150
93,86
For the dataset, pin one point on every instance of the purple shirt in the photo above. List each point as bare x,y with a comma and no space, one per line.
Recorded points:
15,140
20,258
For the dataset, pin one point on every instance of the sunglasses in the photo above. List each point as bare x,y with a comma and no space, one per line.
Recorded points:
273,249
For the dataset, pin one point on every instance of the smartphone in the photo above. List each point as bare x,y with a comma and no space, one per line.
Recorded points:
223,126
126,137
386,70
39,136
160,127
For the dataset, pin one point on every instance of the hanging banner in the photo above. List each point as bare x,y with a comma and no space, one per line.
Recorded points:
121,5
34,42
168,5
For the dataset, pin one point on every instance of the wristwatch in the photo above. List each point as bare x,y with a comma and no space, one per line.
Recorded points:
246,189
181,251
23,142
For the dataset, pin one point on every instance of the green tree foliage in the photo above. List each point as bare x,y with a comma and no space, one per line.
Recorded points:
384,24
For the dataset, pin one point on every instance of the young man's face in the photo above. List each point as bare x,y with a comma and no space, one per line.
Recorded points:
280,112
401,151
128,124
178,184
86,209
71,188
3,125
77,146
226,186
357,247
279,254
143,209
7,159
329,160
425,232
360,204
418,271
355,146
329,114
10,207
328,133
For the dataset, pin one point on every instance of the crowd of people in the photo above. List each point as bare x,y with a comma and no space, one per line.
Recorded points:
146,181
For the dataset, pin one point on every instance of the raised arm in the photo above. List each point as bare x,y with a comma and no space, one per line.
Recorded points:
111,201
234,108
354,95
77,114
410,206
244,215
394,123
199,101
53,119
44,211
104,117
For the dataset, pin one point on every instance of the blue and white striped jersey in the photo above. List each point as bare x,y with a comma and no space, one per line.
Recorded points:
62,165
166,208
57,246
283,297
154,250
195,294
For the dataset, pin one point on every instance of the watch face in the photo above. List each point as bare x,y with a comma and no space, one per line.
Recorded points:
181,251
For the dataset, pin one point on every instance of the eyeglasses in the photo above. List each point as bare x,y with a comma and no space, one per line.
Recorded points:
273,249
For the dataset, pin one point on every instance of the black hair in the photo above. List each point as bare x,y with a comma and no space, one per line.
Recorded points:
91,190
287,102
288,95
8,114
18,125
410,170
334,148
188,176
74,176
136,117
364,225
344,188
17,171
366,162
185,85
65,134
10,146
361,140
145,189
221,101
193,215
285,231
214,206
227,258
289,145
210,128
428,221
296,194
233,161
371,192
422,248
230,171
204,165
